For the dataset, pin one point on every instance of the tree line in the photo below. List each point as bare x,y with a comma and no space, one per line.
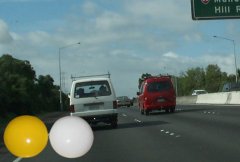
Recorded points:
21,92
210,78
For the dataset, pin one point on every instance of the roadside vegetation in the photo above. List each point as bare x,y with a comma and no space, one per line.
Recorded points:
210,79
21,92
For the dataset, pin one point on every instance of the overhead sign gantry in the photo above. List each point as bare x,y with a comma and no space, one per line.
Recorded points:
215,9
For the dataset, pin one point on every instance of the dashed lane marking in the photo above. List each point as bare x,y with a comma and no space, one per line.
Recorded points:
136,120
209,112
170,133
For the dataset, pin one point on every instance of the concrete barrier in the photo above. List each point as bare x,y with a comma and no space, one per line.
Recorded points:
235,97
186,100
211,98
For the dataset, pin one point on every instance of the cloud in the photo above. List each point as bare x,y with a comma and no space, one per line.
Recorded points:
110,20
193,37
138,37
89,8
225,62
39,37
170,15
5,36
171,55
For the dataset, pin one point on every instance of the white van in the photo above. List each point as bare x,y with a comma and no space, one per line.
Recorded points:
93,98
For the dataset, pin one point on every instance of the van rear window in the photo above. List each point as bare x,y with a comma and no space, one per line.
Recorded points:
158,86
92,89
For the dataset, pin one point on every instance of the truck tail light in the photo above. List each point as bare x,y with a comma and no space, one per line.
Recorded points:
115,104
71,108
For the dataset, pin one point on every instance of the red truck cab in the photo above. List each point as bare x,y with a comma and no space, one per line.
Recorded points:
156,93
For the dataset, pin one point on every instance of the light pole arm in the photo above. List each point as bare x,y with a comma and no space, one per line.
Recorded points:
234,52
235,59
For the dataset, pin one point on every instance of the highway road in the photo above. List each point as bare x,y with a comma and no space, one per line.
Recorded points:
195,133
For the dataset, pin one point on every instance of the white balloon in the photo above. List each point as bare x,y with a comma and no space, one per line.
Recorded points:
71,137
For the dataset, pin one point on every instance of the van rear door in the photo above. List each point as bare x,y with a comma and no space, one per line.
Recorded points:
93,97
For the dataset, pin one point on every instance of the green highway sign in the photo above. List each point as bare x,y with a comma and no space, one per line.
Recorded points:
215,9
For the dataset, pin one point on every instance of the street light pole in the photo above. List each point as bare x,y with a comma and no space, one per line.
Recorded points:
235,60
60,73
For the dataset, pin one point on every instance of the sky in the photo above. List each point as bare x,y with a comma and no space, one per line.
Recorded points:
125,38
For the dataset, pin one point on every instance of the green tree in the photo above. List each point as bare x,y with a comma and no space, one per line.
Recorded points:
194,78
22,93
144,76
182,82
16,84
238,73
213,78
47,93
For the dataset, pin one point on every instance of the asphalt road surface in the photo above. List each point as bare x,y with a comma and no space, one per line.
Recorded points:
191,134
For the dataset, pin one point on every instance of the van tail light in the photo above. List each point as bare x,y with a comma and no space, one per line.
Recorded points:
114,104
71,108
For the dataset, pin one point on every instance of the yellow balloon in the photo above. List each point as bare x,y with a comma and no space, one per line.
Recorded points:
25,136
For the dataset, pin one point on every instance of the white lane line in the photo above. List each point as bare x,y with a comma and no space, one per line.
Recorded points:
171,134
17,160
136,120
124,115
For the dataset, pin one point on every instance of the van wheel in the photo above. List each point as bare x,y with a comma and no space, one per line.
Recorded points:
167,110
146,112
141,111
172,109
114,123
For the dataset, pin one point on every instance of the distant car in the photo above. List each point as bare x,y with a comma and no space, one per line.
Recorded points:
156,93
228,87
132,101
124,101
198,92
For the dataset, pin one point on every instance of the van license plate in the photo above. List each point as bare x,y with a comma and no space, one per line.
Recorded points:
161,100
94,107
